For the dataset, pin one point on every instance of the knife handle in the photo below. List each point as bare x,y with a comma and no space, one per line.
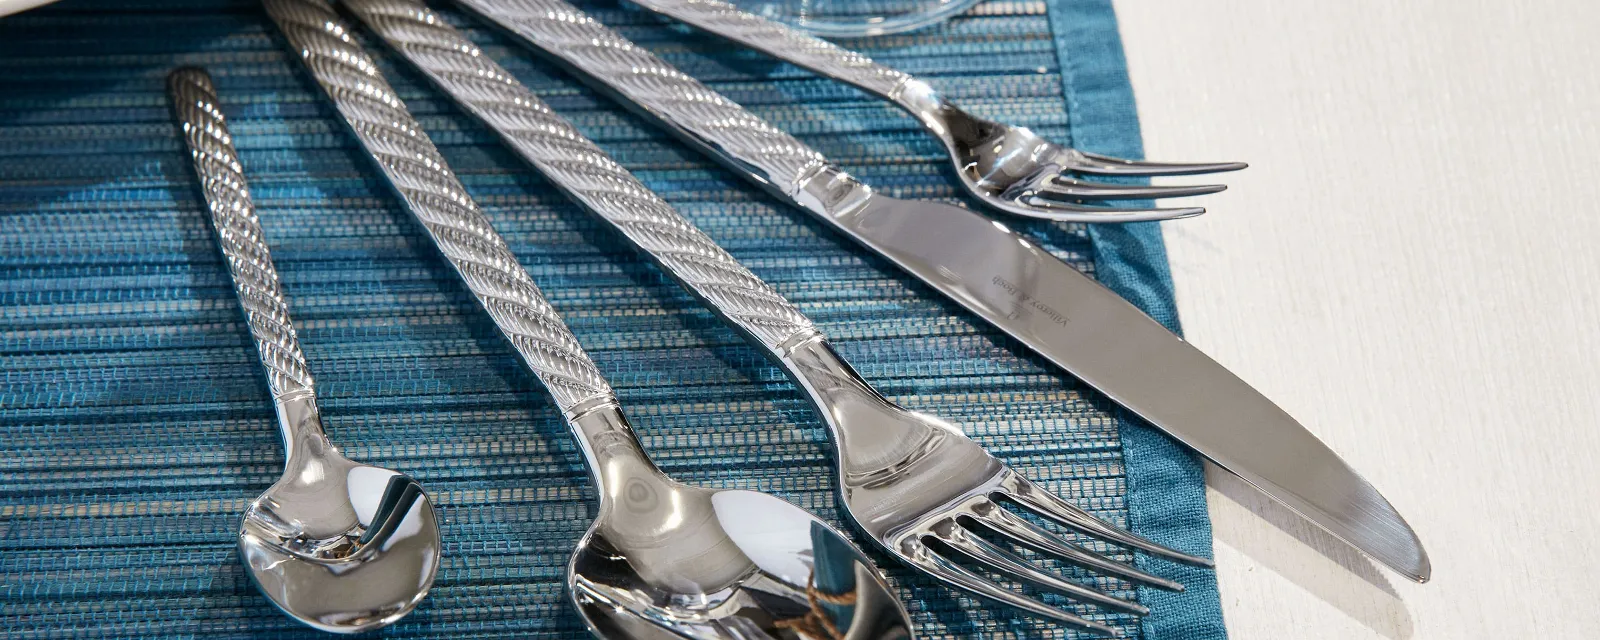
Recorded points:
580,169
233,216
433,195
693,112
783,42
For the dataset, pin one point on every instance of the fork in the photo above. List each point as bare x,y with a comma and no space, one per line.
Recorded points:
911,481
1007,167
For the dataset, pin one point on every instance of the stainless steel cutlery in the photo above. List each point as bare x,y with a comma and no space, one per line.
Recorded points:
662,559
913,483
341,546
1006,167
346,547
998,275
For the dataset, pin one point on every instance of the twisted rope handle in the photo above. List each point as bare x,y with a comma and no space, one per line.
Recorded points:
591,50
581,169
233,215
433,195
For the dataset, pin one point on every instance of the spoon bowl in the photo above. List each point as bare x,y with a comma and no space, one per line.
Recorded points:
669,560
341,546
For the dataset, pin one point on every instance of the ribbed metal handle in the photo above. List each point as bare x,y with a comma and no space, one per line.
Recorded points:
591,50
783,42
431,192
581,169
233,215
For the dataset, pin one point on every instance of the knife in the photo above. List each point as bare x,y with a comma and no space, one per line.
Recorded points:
997,274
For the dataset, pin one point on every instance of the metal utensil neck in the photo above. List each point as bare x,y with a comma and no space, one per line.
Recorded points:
611,449
300,424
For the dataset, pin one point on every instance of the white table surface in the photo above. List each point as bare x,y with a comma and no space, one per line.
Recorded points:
1411,266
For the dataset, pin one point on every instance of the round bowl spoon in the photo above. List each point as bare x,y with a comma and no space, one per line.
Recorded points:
340,546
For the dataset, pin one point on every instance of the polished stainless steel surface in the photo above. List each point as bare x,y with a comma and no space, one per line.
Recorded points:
999,275
662,559
906,478
1006,167
1114,347
704,563
341,546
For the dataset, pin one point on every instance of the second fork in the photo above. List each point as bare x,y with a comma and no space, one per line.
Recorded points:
1006,167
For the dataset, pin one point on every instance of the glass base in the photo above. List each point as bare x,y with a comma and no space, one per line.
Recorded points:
856,18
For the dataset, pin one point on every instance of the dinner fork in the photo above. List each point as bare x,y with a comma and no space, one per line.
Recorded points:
1007,167
661,559
911,481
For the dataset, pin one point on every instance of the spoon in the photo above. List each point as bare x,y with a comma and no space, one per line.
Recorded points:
338,545
662,559
665,559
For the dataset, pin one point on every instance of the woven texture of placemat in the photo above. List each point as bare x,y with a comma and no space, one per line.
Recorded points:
135,426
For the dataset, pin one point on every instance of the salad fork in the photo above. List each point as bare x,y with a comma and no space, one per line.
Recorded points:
915,484
1007,167
662,559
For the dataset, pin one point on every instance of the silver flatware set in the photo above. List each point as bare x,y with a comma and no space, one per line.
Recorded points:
346,547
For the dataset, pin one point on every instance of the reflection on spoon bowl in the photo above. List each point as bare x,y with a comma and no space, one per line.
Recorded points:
341,546
668,560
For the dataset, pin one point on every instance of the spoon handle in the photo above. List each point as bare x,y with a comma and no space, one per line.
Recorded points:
255,280
433,195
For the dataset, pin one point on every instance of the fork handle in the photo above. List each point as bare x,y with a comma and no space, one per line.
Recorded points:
783,42
693,112
433,195
875,430
580,169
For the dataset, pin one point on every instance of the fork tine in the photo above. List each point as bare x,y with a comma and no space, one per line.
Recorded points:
961,540
1065,187
1052,209
1051,506
1085,162
1028,534
920,556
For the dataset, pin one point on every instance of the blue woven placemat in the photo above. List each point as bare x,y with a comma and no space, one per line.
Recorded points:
134,426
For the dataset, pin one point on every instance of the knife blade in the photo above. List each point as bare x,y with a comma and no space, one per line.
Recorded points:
983,265
1117,349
